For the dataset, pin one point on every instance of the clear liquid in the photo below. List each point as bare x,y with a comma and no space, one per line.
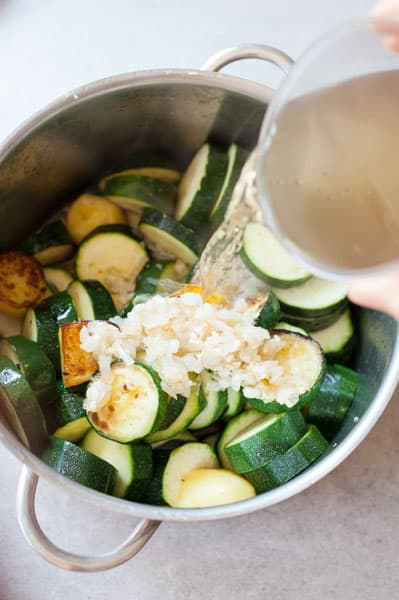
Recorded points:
332,172
331,176
221,270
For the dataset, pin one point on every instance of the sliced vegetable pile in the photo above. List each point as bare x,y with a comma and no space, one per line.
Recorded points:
116,249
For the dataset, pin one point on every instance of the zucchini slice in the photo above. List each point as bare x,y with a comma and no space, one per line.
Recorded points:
42,323
265,439
77,365
216,403
114,258
314,323
282,468
88,212
136,405
234,403
162,231
270,313
182,461
79,465
51,244
173,442
328,410
38,370
213,487
71,421
232,429
236,158
194,404
133,463
266,258
20,407
338,340
161,456
200,185
135,192
303,362
314,298
91,300
288,327
22,283
147,280
211,440
57,279
167,175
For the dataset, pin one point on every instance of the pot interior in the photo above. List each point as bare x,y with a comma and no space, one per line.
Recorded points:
68,147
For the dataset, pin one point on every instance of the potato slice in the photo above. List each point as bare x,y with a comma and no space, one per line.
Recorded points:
22,282
77,365
88,212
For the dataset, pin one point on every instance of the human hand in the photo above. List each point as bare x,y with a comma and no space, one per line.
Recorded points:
381,292
390,10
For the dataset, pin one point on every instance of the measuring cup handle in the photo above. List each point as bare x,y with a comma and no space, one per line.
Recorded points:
259,51
27,519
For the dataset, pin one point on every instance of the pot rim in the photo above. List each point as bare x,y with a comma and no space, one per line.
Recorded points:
301,482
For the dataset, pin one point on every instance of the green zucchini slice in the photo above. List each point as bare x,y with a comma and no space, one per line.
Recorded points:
79,465
181,461
20,406
232,429
200,185
216,403
113,257
133,463
136,405
270,313
236,158
162,231
282,468
328,410
265,256
338,340
57,279
38,370
71,420
194,404
51,244
41,324
91,300
303,361
314,298
265,439
135,192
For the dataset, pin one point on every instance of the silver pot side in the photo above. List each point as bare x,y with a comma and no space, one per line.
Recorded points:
66,147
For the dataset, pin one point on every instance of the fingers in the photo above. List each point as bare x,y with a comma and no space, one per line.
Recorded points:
386,8
380,293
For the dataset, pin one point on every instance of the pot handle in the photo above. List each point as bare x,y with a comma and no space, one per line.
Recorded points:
260,51
34,534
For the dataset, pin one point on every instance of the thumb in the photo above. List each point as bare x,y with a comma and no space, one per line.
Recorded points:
380,292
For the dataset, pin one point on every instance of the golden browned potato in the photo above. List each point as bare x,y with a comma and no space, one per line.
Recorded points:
22,282
88,212
77,365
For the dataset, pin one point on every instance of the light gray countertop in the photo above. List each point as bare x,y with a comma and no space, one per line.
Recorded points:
337,540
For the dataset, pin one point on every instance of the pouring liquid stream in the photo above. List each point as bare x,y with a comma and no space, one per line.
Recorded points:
330,175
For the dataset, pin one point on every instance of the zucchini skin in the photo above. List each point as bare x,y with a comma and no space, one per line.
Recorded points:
286,466
217,213
51,314
210,187
52,234
69,406
39,372
269,314
79,465
18,393
147,190
273,281
160,220
329,408
257,450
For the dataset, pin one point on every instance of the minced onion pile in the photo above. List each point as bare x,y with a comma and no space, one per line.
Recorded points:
184,335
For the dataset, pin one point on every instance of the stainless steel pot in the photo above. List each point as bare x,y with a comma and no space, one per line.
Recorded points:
61,150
